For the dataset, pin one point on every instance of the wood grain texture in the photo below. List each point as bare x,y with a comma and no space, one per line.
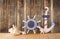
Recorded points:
30,36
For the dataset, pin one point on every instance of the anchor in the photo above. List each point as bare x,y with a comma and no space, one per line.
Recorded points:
45,29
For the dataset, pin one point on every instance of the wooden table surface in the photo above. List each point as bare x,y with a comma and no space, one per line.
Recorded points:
30,36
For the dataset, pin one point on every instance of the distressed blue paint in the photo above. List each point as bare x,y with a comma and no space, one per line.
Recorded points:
46,16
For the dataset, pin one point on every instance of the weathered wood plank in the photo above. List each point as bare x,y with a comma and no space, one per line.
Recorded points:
30,36
25,12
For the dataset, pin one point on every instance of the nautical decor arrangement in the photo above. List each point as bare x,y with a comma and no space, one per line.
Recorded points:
32,24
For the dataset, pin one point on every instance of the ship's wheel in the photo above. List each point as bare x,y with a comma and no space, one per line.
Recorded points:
31,24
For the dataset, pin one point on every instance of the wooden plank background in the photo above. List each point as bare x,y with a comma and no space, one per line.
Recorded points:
13,12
